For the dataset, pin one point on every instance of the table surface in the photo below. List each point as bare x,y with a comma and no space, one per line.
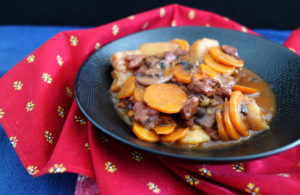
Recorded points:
16,43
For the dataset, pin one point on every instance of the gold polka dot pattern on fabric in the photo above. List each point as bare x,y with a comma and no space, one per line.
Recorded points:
191,180
154,188
205,172
145,25
61,111
47,78
48,136
32,170
238,167
13,140
103,139
59,60
131,17
292,50
69,91
79,120
18,85
87,146
97,45
252,189
115,30
110,167
30,58
2,113
137,156
73,40
283,174
191,14
244,29
57,169
226,19
162,12
30,106
173,23
207,25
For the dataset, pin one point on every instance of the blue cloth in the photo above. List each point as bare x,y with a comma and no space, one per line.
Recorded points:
16,43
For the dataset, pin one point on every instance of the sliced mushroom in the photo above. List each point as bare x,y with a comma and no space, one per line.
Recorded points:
153,76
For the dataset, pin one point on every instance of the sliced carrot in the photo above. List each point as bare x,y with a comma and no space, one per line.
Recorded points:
183,44
235,115
130,113
199,76
244,89
208,71
166,98
209,61
223,58
181,75
176,135
138,93
166,125
221,126
127,88
143,133
232,133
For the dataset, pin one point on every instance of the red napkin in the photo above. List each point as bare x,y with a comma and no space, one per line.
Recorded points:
51,135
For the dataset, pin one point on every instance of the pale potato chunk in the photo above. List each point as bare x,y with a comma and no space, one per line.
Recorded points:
149,49
195,135
201,47
255,117
120,72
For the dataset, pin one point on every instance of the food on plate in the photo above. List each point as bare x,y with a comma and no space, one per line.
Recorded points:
175,93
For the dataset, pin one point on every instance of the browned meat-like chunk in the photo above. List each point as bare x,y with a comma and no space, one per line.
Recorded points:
226,84
232,51
135,61
204,118
123,104
190,108
204,86
213,134
145,115
170,56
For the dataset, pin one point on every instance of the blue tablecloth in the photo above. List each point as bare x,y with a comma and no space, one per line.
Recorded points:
16,43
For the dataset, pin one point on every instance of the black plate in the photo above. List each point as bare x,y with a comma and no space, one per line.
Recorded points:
276,64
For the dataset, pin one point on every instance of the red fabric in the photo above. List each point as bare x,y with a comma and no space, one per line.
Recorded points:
51,135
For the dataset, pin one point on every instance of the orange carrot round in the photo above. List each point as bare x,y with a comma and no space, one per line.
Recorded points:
221,126
127,88
181,75
208,71
223,58
235,115
166,125
232,133
183,44
209,61
143,133
176,135
138,93
244,89
166,98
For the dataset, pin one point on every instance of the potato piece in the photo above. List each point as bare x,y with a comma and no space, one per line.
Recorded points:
150,49
143,133
195,136
209,61
183,44
254,116
119,79
127,88
201,47
166,98
176,135
223,58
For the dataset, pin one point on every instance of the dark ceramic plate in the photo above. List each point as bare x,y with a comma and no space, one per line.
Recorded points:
279,66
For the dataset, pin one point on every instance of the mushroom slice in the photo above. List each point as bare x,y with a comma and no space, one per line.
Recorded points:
153,76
